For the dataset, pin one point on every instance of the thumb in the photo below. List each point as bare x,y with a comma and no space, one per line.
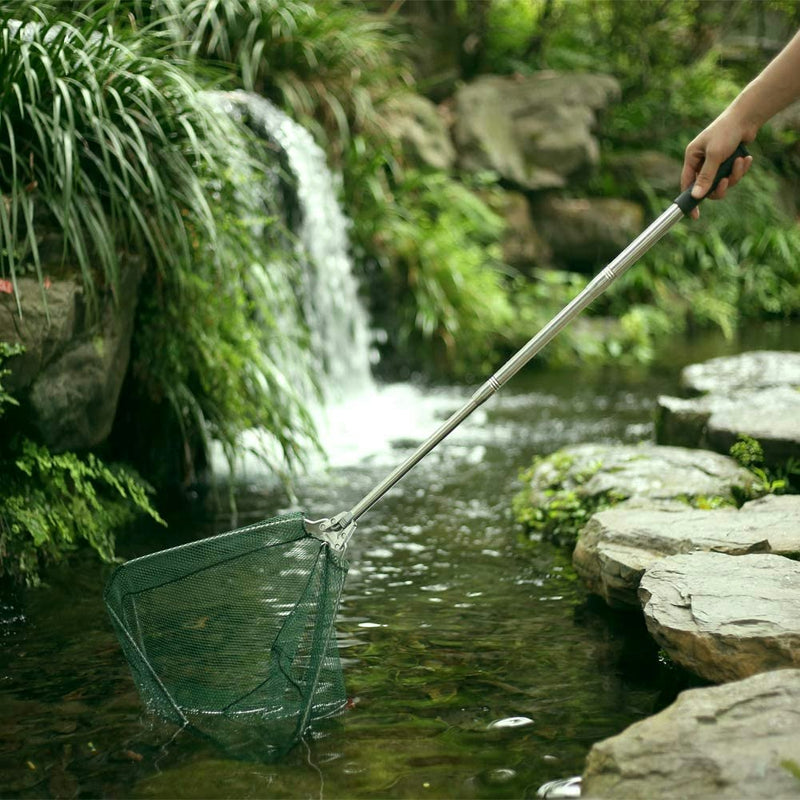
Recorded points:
704,179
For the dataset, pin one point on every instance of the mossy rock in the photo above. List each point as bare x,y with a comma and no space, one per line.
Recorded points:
565,488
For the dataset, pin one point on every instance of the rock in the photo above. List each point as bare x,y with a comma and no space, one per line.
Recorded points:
643,470
741,740
652,169
74,398
724,617
522,244
566,487
772,416
616,546
47,323
535,131
756,393
416,123
587,232
758,369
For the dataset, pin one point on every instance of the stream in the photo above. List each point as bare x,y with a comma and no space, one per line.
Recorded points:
475,664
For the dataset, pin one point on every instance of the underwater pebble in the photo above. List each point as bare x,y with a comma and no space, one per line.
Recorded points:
511,722
501,775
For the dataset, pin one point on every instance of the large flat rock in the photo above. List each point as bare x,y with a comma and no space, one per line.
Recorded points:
772,416
724,617
755,393
741,740
757,369
616,546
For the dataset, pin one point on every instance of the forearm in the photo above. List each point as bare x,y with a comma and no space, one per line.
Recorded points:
776,87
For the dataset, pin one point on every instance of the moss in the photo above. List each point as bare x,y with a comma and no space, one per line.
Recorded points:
565,508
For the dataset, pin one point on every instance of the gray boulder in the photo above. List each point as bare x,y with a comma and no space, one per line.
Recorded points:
756,393
714,421
417,124
74,399
757,369
72,371
522,244
587,232
47,322
724,617
740,740
616,546
534,131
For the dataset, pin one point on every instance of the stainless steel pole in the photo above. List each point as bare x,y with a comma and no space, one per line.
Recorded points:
623,262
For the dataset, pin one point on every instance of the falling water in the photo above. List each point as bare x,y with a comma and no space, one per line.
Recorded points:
337,321
360,420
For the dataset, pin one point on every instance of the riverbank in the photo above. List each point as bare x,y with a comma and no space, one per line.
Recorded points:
702,546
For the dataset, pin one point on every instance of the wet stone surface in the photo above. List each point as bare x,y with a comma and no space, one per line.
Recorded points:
616,546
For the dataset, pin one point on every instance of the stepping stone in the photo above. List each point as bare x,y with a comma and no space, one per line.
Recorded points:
740,740
756,393
616,546
724,617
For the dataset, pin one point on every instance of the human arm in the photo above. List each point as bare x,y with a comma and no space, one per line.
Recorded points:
772,90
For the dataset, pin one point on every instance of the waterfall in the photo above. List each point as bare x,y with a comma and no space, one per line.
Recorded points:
360,421
336,319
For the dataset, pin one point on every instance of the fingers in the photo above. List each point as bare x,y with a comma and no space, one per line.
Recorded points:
740,168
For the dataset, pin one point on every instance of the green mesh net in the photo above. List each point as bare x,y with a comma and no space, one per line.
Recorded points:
234,635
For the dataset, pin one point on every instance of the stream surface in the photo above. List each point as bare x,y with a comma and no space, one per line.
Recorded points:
475,663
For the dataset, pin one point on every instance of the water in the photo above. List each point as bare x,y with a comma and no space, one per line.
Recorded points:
336,319
476,665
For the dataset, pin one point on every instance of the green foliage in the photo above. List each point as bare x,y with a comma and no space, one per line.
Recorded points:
6,351
565,509
736,263
118,148
748,452
327,61
448,299
53,502
103,142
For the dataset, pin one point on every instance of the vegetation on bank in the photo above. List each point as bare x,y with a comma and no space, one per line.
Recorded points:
107,137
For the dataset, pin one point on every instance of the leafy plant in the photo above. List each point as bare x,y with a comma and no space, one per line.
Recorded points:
748,452
115,147
445,294
51,503
565,509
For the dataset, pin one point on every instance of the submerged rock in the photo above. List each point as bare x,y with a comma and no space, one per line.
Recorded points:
616,546
724,617
755,393
729,742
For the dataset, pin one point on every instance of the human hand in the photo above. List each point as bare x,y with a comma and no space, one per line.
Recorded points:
708,150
